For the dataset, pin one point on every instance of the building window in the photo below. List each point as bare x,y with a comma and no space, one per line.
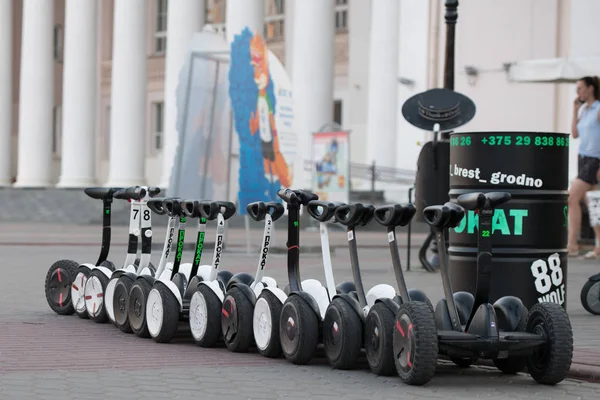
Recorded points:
275,20
341,15
158,119
337,112
56,130
160,27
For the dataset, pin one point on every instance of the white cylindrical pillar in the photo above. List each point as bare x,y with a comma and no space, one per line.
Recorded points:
240,14
383,83
6,97
36,96
313,67
128,95
79,94
184,18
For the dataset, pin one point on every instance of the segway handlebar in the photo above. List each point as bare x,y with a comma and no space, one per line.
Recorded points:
226,208
257,210
276,210
173,207
153,191
354,214
478,200
327,210
101,193
447,216
131,193
394,215
296,197
191,208
210,209
157,206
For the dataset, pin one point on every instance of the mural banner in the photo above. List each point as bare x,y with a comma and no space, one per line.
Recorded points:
260,94
331,166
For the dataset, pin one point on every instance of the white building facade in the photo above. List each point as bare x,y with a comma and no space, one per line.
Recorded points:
87,86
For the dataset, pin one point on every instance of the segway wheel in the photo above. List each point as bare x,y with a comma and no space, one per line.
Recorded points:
590,297
77,291
121,303
236,321
162,313
136,312
94,296
379,332
342,334
415,343
298,330
550,363
515,364
58,286
205,317
108,264
265,324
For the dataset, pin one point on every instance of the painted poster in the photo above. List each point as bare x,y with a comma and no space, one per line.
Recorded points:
261,99
331,166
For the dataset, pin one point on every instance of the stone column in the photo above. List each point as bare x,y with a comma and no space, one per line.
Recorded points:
382,109
6,94
79,94
184,18
313,68
36,96
128,95
240,14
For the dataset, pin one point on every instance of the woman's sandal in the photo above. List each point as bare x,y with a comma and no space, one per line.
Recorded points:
592,255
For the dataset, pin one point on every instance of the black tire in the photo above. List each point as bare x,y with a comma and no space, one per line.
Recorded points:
590,297
415,343
550,363
94,302
165,326
57,286
136,309
342,334
236,321
515,364
108,264
379,343
121,303
298,330
81,275
211,317
265,324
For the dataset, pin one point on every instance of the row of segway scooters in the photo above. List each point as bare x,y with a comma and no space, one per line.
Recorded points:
398,329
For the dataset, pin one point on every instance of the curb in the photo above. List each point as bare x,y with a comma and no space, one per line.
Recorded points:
581,372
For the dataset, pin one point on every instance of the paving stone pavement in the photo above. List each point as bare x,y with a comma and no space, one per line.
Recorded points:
46,356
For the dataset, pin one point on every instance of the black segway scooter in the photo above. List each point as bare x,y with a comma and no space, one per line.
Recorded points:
61,274
491,331
590,295
240,298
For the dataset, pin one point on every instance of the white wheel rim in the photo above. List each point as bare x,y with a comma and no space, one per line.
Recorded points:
93,296
154,312
77,292
262,323
198,316
108,299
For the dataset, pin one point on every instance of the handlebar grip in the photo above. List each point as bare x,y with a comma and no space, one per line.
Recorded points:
276,210
366,215
189,208
209,209
153,191
305,196
226,208
395,214
288,196
328,210
349,214
130,193
173,207
447,216
157,206
257,210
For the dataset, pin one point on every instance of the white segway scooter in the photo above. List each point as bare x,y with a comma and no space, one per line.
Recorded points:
61,274
93,296
238,305
268,307
171,298
101,288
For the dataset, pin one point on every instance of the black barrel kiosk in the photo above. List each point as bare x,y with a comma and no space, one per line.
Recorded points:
530,231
